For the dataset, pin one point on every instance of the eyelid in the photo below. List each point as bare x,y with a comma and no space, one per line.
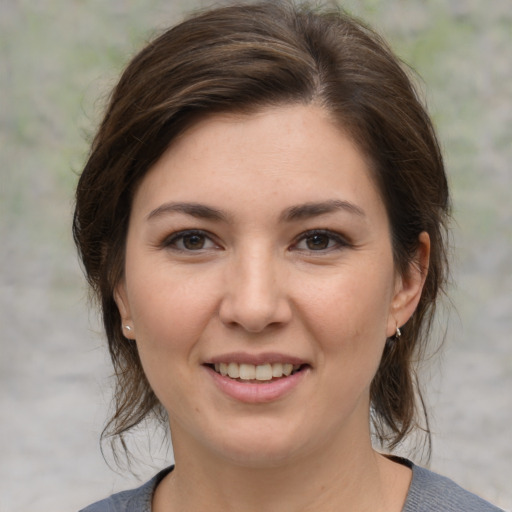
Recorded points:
340,240
169,241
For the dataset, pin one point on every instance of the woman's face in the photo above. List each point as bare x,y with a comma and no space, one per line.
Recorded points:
259,245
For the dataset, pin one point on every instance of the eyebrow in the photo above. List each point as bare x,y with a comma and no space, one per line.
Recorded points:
293,213
308,210
198,210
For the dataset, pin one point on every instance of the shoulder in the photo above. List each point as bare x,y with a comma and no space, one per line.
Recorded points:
430,492
134,500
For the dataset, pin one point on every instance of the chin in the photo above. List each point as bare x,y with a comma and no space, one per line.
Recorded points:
260,447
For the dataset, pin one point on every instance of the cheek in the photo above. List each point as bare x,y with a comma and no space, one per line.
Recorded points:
347,316
169,308
169,317
349,306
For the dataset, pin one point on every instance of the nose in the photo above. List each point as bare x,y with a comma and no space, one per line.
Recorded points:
255,295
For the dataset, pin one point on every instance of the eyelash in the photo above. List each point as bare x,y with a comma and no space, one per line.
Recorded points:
334,240
339,241
172,241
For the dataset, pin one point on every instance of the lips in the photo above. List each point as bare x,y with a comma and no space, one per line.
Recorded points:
257,379
258,372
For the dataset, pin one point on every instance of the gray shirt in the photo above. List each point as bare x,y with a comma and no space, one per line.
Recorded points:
428,492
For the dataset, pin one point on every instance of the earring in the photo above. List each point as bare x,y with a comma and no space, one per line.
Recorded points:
127,327
392,341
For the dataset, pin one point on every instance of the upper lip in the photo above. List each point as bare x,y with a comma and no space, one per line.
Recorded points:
256,359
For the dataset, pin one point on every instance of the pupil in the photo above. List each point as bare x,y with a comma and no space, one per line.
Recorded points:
318,242
193,241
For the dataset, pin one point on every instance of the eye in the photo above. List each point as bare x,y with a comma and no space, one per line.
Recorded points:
189,241
320,240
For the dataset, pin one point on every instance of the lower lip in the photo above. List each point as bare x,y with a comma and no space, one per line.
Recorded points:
256,393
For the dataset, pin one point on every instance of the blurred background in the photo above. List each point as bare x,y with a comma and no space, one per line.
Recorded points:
58,60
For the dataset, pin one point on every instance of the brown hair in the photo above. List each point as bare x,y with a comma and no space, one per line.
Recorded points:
241,58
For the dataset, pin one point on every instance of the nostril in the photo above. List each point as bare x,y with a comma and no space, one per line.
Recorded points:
253,306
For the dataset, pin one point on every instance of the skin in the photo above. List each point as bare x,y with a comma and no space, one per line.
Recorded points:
252,279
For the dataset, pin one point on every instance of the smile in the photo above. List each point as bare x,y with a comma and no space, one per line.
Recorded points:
252,372
261,378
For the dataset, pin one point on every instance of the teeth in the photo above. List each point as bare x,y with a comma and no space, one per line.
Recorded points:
287,369
263,372
247,371
234,370
277,370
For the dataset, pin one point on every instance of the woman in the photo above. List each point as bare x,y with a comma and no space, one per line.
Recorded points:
262,217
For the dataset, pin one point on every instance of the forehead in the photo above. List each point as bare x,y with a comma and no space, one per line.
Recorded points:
273,157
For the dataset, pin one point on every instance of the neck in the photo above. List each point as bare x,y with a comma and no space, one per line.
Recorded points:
354,477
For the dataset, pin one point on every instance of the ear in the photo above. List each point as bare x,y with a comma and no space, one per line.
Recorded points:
408,287
121,300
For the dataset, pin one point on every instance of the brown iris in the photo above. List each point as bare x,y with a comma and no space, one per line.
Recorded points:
317,242
193,242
